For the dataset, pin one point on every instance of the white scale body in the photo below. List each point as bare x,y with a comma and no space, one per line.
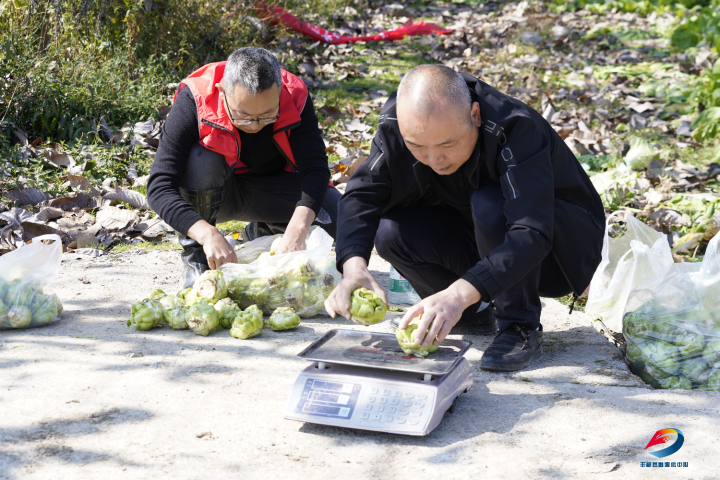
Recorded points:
363,380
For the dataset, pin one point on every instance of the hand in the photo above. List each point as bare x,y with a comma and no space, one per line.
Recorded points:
356,275
441,312
216,247
290,244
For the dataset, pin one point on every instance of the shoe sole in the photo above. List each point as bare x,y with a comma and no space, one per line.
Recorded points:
504,367
479,331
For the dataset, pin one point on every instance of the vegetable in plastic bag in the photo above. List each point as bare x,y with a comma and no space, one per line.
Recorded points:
284,318
299,268
177,317
146,314
407,343
675,383
366,307
248,323
227,311
45,308
711,353
210,286
203,318
289,293
19,316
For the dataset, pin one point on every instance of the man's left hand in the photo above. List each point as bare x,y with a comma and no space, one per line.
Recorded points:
441,312
289,243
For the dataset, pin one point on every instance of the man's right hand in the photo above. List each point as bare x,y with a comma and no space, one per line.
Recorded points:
216,247
355,275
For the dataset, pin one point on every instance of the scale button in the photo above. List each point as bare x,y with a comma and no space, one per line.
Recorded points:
383,400
407,403
421,396
400,420
379,408
394,401
368,407
397,393
365,415
413,421
404,411
416,413
374,390
387,418
375,416
386,391
408,395
391,409
419,404
371,399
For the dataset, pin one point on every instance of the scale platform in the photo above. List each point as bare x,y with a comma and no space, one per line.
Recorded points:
364,380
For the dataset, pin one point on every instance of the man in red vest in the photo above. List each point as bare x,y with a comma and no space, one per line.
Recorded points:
241,142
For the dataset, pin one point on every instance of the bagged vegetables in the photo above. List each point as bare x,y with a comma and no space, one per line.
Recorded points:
298,280
23,274
250,251
366,307
284,318
407,342
672,325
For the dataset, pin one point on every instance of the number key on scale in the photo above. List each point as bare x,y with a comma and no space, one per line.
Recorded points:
416,413
421,396
365,415
387,418
404,411
397,393
371,399
400,420
374,391
368,407
375,417
394,401
391,409
386,391
408,395
413,421
407,403
383,400
418,404
379,408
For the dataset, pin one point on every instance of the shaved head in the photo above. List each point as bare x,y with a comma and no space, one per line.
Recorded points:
431,90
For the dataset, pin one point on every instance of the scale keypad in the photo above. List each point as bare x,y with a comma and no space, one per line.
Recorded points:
389,405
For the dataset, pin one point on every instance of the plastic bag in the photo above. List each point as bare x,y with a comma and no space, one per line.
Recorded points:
299,280
23,274
250,251
672,325
627,261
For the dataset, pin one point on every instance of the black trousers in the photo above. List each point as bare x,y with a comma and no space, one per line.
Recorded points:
432,247
270,199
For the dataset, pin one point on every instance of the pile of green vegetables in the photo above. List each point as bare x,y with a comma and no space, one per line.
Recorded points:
23,305
206,307
674,349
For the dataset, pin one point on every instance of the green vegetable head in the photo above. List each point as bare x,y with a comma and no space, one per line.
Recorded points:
19,293
3,287
675,383
275,245
286,294
713,382
690,343
177,317
182,296
284,318
203,318
156,294
19,316
407,343
366,307
210,286
146,315
300,268
711,353
661,359
695,370
44,309
227,311
248,323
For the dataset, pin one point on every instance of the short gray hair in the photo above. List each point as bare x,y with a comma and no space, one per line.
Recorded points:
427,87
254,68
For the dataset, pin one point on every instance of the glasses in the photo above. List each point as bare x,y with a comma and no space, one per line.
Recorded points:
249,121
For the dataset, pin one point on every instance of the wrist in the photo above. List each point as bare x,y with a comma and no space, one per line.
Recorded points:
355,266
465,293
202,231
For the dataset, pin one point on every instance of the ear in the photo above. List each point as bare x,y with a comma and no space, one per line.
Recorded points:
475,114
220,87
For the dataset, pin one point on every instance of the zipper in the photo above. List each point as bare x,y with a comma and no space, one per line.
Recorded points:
583,209
237,144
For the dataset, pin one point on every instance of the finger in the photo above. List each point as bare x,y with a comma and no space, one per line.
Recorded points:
329,307
211,263
437,324
420,333
379,291
444,332
233,257
411,313
343,300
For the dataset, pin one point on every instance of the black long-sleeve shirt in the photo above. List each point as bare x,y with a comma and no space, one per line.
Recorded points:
259,153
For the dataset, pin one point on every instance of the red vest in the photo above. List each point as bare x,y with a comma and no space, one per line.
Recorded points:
217,132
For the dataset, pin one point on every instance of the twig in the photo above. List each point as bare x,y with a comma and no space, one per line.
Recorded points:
9,103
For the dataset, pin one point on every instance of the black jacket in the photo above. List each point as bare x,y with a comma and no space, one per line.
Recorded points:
550,205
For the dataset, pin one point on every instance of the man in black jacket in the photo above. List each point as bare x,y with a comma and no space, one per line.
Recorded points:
241,142
473,197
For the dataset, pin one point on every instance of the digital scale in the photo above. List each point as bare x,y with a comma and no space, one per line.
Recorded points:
364,380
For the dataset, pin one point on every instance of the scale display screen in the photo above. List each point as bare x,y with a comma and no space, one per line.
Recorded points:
328,399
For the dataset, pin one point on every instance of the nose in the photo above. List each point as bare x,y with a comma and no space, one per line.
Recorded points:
435,159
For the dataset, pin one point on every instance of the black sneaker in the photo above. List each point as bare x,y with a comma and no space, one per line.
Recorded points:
513,349
482,323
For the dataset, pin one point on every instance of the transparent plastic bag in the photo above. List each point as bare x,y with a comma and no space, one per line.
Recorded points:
23,274
672,325
299,280
627,261
251,251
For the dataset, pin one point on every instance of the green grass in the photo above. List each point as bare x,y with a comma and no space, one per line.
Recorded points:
147,246
233,226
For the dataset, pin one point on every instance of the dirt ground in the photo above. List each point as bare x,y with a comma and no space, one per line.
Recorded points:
88,397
